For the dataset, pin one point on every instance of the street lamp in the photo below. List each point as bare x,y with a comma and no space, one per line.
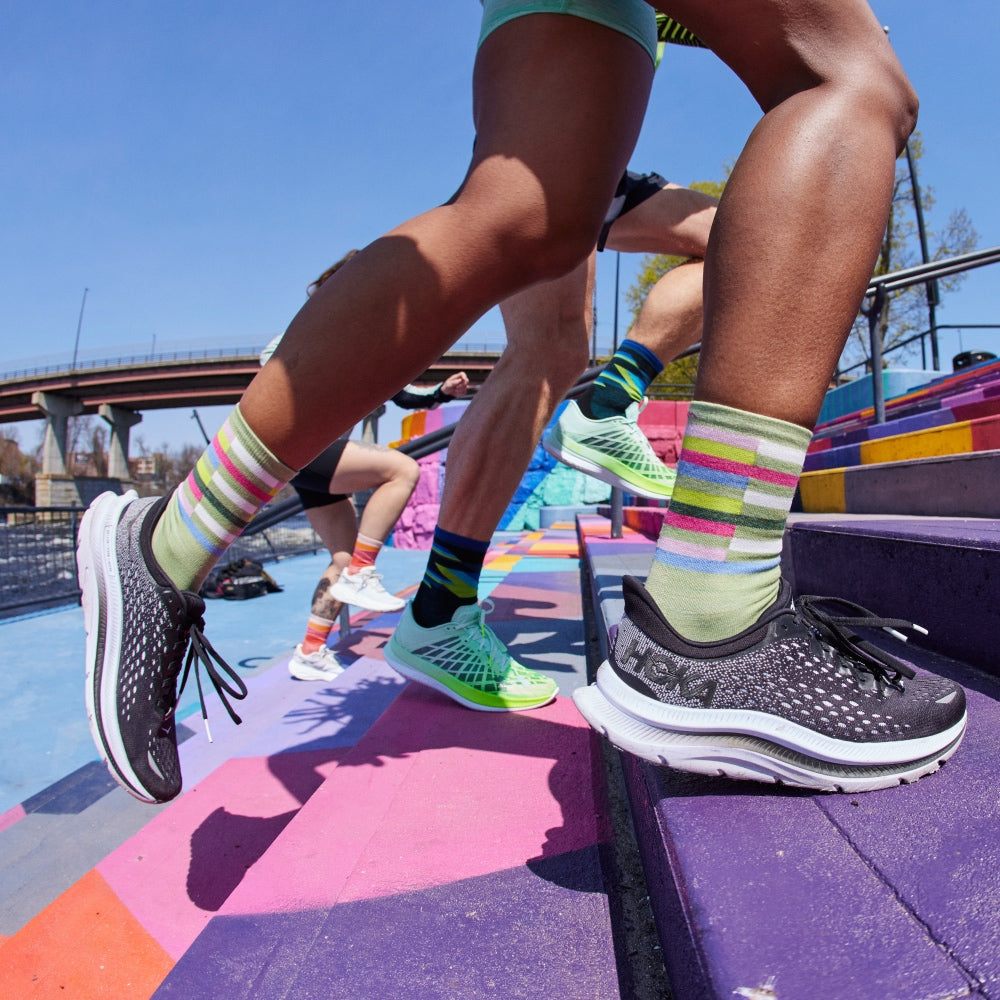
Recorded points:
79,325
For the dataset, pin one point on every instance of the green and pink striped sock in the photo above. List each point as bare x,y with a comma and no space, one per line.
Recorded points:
717,562
235,476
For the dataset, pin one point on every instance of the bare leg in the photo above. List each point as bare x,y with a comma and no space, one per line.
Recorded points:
548,89
393,476
678,221
336,525
799,225
547,328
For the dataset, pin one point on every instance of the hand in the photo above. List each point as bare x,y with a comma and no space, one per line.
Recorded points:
455,385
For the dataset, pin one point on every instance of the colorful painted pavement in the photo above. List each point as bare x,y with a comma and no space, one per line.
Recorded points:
361,838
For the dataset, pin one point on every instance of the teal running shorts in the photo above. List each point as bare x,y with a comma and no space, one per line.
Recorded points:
633,18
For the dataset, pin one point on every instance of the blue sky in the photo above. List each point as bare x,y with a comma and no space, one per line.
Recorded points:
195,164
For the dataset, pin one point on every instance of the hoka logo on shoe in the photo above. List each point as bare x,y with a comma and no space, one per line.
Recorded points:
657,666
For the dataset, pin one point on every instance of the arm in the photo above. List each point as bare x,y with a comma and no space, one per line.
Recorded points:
413,398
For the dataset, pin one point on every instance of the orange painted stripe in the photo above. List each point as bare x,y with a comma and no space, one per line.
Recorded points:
86,944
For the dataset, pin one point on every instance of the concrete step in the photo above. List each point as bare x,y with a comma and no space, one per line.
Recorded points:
761,891
950,438
939,572
962,485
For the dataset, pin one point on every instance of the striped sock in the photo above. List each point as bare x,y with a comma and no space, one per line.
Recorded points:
365,552
623,381
451,578
317,631
717,565
235,476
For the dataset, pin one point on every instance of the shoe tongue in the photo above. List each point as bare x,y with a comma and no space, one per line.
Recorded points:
632,412
466,614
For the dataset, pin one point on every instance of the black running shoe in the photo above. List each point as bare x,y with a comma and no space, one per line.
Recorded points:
139,626
799,698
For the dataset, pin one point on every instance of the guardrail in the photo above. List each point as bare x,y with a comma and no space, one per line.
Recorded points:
878,293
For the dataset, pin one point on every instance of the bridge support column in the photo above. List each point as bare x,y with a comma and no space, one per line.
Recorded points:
57,410
369,426
121,421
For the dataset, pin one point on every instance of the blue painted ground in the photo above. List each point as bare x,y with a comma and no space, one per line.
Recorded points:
42,716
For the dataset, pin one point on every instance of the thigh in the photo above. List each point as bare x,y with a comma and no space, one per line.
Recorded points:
778,47
315,477
674,220
558,102
364,466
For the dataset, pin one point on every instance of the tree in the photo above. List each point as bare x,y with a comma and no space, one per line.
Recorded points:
678,377
905,313
17,470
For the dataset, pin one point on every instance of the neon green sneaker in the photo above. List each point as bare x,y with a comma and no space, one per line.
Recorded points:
466,661
613,450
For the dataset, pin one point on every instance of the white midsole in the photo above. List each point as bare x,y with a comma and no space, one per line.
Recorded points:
97,562
766,726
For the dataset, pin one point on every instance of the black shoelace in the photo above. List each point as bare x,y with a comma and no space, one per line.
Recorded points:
202,652
838,631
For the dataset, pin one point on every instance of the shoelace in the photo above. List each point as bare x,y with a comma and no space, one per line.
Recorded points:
490,643
838,631
201,651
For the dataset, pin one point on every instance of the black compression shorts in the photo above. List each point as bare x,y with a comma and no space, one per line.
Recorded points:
633,190
312,484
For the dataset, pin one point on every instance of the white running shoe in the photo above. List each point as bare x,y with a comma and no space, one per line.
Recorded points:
364,590
321,665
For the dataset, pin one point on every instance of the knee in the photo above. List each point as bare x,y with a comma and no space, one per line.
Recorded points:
409,474
887,88
550,251
536,234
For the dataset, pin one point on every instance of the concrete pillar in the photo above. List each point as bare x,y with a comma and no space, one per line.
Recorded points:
57,409
369,426
121,422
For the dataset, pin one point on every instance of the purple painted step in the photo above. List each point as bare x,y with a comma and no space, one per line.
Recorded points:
943,573
886,895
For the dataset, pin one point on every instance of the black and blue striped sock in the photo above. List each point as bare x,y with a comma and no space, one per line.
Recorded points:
451,578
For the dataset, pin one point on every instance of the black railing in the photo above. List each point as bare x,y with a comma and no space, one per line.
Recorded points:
877,295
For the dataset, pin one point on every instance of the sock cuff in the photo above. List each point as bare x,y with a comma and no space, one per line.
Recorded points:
256,448
745,428
641,353
452,541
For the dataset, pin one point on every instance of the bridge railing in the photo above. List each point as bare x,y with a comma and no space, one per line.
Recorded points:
130,358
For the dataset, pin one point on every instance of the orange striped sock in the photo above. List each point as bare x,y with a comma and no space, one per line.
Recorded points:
365,552
317,631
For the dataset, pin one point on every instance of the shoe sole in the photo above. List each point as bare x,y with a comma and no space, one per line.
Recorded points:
433,680
745,756
591,468
356,601
96,562
311,674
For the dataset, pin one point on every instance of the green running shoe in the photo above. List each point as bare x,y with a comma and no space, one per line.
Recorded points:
466,661
613,450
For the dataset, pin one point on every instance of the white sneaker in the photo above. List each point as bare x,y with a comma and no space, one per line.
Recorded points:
321,665
364,590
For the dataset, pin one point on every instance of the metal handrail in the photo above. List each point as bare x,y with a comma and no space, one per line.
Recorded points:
878,292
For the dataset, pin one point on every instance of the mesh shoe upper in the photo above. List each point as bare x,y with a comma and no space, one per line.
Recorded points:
615,445
465,659
785,667
145,627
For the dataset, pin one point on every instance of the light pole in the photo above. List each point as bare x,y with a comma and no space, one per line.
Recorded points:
79,326
931,286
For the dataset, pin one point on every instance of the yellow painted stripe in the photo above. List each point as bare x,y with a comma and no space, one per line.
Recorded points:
822,492
952,439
